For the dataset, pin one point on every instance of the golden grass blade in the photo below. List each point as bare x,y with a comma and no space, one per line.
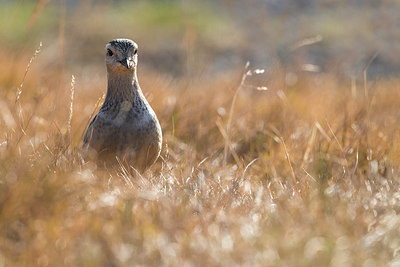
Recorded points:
71,106
19,89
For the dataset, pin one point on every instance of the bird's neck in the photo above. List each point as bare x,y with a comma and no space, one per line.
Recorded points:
122,87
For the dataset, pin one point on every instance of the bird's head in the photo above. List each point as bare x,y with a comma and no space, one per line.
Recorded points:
121,56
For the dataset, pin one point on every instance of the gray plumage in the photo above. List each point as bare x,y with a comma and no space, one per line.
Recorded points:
126,126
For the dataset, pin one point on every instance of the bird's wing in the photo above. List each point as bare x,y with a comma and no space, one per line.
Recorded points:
89,132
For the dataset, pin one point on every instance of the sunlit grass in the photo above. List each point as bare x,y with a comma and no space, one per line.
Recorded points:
311,174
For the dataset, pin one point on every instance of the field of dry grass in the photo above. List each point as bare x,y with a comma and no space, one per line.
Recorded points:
305,173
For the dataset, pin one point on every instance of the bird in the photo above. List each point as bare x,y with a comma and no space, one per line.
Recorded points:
126,128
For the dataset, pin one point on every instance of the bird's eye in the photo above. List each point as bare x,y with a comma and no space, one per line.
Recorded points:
135,51
109,52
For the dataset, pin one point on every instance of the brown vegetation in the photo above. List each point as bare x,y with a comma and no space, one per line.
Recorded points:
311,174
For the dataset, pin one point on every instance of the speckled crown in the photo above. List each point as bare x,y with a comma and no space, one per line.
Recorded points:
123,45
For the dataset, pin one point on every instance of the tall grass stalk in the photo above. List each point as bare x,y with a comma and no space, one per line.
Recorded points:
230,117
19,89
71,106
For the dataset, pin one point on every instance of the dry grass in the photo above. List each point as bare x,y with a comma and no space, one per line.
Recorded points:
311,174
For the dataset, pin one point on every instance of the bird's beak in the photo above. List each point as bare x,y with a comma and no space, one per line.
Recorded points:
127,63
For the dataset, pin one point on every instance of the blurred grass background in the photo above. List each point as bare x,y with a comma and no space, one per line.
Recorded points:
307,173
